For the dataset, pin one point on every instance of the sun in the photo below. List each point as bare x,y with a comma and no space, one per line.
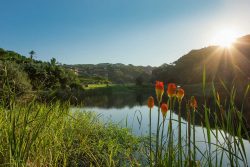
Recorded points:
225,38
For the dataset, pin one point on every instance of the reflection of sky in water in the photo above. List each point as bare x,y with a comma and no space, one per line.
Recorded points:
137,118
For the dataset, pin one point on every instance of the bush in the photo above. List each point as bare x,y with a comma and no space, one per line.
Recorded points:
13,78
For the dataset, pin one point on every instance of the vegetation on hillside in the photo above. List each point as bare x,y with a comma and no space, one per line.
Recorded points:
28,77
115,73
225,64
40,75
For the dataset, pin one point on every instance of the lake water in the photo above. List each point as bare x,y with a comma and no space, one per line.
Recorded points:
136,117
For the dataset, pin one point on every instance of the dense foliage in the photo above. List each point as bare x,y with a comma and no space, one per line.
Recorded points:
13,76
26,74
116,73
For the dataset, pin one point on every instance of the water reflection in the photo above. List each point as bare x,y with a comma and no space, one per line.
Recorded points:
116,100
132,99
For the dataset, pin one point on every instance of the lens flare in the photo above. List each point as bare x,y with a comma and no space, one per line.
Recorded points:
225,38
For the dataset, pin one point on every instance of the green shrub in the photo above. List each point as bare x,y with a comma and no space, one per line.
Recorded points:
14,77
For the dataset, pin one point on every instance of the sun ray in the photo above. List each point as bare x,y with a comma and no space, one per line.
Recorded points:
225,38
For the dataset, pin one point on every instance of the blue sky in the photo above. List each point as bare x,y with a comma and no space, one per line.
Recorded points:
140,32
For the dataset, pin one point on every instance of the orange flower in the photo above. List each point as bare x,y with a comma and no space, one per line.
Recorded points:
150,102
159,90
180,94
164,109
193,102
171,90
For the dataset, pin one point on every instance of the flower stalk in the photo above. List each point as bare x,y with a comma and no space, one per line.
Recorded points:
159,90
179,95
150,105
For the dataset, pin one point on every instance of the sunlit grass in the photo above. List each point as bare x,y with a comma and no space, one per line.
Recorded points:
94,86
51,135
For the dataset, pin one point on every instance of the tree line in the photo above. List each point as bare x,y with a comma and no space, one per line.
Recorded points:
22,74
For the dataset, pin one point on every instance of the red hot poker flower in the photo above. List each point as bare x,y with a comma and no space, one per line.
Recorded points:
159,90
193,102
180,94
171,90
164,109
150,102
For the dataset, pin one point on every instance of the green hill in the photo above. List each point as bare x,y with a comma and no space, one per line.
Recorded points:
226,64
116,73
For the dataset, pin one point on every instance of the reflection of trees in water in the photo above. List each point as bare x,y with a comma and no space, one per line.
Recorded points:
116,100
140,99
131,99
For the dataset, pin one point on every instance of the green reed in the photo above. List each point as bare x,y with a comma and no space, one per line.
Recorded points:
157,135
51,135
179,136
150,139
223,139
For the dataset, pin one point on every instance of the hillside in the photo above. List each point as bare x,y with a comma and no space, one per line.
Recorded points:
226,64
116,73
23,74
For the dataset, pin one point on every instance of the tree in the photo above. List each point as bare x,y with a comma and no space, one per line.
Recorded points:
53,61
32,53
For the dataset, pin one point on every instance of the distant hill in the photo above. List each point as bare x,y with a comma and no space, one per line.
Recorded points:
116,73
226,64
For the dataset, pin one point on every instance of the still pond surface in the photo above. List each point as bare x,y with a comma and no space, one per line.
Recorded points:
131,111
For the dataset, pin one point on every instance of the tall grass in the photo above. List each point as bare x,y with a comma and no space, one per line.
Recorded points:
51,135
222,126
